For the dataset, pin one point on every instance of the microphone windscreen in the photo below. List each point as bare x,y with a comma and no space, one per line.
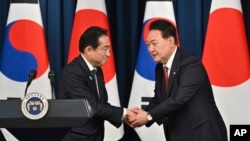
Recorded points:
32,74
51,74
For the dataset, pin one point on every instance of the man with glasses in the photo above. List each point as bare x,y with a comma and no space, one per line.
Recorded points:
83,79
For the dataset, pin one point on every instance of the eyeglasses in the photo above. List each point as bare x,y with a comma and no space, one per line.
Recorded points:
105,50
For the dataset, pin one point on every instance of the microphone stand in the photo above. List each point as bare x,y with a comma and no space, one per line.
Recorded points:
32,75
52,79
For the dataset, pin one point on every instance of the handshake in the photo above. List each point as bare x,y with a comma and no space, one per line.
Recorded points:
136,117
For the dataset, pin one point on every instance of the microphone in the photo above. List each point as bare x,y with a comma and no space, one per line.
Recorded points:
51,76
32,75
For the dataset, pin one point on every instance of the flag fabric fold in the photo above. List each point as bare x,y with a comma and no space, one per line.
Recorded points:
144,75
226,59
24,50
85,11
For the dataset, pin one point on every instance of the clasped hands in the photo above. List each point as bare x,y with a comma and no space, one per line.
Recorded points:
135,117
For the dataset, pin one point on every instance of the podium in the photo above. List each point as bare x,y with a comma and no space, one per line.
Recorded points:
62,114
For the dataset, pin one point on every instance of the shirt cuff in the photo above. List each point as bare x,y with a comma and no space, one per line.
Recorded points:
124,113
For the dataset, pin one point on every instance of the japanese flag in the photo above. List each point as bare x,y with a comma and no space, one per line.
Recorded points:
85,11
226,59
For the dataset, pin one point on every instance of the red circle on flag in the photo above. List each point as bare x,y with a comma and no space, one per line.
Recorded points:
225,55
83,20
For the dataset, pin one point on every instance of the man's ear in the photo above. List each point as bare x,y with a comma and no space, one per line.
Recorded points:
171,39
88,50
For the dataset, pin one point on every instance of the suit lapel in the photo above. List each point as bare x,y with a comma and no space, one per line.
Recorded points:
90,79
173,71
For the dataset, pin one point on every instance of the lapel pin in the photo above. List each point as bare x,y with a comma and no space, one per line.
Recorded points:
90,77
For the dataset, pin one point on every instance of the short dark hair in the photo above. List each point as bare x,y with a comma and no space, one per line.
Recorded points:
90,37
167,29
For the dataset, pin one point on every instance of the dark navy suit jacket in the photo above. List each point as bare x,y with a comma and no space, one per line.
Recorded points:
77,82
187,110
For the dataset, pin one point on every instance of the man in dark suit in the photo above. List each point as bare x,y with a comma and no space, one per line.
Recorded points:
184,103
83,79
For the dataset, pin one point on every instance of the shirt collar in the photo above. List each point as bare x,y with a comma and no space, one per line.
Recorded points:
170,60
88,63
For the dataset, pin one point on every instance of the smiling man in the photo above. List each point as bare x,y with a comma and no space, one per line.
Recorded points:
183,100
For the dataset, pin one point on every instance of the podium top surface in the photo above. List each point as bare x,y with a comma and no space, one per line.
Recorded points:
61,113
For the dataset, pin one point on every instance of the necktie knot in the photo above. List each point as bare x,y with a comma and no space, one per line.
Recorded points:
165,68
93,72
